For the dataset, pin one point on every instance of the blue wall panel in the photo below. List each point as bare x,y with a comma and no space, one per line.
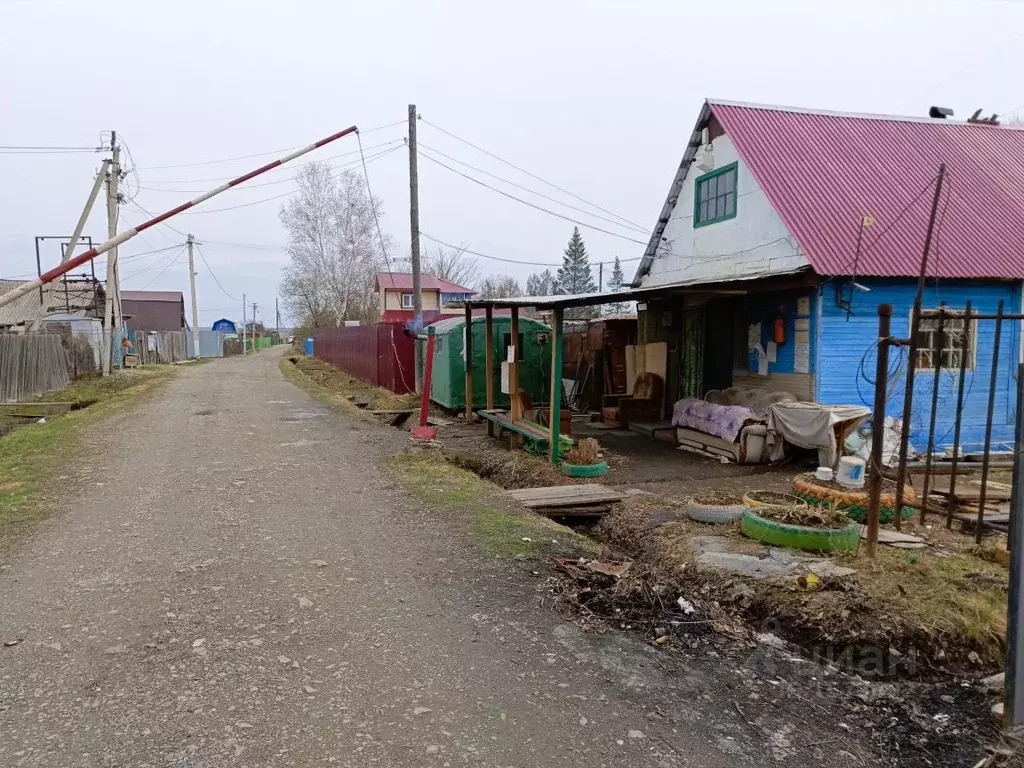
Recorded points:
764,308
846,364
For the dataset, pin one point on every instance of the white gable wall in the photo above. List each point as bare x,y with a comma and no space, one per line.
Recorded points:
713,251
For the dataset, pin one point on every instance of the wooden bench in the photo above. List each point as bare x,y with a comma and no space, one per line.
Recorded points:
537,437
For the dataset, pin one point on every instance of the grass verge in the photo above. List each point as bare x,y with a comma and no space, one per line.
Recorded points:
32,453
501,528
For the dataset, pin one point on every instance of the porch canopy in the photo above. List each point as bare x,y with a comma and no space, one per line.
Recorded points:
557,306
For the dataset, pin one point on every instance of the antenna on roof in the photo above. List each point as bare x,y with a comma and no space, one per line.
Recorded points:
940,113
977,118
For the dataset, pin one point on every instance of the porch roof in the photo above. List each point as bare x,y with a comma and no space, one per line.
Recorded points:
725,287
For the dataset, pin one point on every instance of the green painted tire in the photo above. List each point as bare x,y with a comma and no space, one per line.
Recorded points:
799,536
584,470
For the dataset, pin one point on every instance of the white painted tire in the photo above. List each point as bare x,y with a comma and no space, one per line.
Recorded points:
714,514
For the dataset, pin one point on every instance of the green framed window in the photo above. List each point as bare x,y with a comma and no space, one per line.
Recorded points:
714,197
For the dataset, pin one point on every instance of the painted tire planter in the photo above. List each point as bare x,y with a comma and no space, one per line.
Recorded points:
755,499
799,536
854,503
584,470
715,513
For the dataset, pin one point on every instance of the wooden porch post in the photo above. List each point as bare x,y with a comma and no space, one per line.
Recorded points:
554,416
489,352
469,363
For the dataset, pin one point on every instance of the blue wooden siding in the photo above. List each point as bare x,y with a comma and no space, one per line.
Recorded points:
846,364
764,308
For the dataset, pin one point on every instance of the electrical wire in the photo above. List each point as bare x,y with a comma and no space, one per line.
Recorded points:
170,262
210,270
548,211
272,170
531,175
246,157
420,145
283,194
30,150
256,246
510,261
373,205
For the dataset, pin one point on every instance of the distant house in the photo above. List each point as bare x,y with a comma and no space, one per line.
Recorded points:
394,291
787,227
154,310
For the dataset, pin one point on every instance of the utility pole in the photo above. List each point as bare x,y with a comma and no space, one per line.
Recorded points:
277,321
254,305
600,277
86,211
243,323
195,310
414,220
113,177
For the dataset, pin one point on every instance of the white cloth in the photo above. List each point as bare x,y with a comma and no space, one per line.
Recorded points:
811,425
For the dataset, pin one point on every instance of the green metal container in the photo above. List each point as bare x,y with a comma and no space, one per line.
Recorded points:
448,388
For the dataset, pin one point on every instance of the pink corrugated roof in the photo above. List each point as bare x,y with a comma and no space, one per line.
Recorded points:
402,281
823,170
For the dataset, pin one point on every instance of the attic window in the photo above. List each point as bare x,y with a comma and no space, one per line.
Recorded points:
714,196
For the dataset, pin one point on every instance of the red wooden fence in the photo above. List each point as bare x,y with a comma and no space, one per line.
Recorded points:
380,354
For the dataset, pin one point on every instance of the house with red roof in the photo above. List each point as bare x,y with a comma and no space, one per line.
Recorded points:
394,291
801,222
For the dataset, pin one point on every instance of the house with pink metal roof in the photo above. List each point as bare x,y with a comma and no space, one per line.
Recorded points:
814,218
394,291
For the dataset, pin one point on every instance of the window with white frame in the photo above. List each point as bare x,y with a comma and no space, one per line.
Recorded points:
407,302
942,343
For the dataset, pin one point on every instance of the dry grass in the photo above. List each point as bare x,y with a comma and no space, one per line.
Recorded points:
586,452
943,598
338,382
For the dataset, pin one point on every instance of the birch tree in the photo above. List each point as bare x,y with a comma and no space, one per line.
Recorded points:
333,247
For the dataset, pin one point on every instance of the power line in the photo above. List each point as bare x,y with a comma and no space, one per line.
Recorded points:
512,261
531,175
149,213
13,149
240,157
277,197
532,191
203,257
373,206
170,262
548,211
266,183
257,246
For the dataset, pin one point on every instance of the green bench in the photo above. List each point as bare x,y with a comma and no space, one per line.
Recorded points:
537,437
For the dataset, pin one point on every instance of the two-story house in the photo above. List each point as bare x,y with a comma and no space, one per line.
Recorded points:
805,221
394,291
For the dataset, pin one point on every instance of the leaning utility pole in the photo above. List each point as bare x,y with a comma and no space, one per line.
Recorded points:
195,311
414,220
86,211
113,177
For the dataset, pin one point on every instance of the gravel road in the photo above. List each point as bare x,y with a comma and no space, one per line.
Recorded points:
231,581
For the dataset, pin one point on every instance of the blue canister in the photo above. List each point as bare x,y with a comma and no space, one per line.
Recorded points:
309,347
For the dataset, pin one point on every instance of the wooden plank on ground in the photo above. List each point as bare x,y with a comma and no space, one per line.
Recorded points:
970,490
566,496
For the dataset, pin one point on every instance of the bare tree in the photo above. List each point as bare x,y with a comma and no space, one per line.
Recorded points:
499,287
542,284
333,247
453,264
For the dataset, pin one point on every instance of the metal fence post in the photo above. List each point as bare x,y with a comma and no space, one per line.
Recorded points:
1013,700
878,425
986,459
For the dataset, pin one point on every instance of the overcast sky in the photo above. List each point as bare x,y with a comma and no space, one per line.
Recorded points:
596,97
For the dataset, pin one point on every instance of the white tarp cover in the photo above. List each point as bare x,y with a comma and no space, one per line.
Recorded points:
811,425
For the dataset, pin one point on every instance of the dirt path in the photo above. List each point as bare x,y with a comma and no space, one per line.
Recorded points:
233,582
